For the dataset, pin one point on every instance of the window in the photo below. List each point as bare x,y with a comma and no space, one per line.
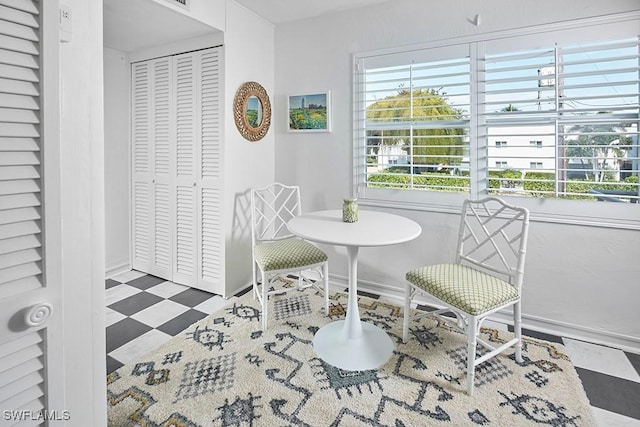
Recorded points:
437,119
417,125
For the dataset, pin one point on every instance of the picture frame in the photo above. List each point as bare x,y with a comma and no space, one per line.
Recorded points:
310,112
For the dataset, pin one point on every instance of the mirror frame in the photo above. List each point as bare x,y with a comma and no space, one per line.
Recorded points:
246,91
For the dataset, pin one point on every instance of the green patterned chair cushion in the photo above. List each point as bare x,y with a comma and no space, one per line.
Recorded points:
465,288
286,254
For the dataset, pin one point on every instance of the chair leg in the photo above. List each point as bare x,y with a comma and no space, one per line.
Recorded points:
254,280
325,278
407,312
472,334
265,300
517,329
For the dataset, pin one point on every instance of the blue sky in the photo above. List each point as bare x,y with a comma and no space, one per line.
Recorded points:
296,100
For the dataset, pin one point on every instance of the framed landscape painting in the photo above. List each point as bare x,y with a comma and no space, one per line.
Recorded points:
310,112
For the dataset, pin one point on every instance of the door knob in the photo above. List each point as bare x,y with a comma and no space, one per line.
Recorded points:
37,314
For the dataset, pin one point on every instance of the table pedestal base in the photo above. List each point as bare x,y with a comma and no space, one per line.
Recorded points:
368,351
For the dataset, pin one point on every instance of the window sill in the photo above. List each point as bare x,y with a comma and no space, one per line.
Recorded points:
569,212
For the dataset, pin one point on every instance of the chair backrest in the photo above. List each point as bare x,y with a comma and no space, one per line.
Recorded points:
271,208
493,237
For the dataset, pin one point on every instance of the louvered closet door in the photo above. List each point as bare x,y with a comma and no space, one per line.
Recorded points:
186,187
23,347
152,138
211,243
199,241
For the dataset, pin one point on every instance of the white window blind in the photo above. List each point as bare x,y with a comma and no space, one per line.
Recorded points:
546,114
569,116
416,125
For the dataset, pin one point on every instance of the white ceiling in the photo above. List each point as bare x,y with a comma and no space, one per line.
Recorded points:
133,25
280,11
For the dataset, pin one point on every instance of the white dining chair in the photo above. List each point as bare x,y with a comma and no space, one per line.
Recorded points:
486,276
276,251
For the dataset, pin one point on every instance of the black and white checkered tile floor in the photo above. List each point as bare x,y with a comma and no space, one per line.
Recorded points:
144,311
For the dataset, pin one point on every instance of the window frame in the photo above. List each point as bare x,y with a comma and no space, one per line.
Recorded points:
579,212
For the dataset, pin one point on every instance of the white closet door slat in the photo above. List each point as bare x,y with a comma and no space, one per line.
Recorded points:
18,244
211,236
19,116
19,59
19,31
161,116
141,226
19,45
185,253
162,229
19,17
210,106
29,6
18,172
19,144
18,187
19,214
14,354
141,117
18,229
24,102
18,73
19,272
20,371
18,87
19,158
18,201
185,116
16,287
18,258
31,395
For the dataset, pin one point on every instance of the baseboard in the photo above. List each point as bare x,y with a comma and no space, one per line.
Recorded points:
535,323
117,268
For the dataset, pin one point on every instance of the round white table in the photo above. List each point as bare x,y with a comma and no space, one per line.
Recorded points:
351,344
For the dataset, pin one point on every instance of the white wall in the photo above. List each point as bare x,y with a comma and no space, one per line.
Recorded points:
116,160
249,56
582,280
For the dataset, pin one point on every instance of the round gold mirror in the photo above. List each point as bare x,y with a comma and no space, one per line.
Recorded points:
252,111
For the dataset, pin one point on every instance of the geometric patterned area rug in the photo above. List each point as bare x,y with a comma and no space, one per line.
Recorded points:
224,371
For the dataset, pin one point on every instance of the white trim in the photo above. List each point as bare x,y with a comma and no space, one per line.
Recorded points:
534,323
56,394
536,215
117,268
505,34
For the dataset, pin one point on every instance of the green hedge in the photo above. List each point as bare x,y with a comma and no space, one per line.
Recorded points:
537,184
